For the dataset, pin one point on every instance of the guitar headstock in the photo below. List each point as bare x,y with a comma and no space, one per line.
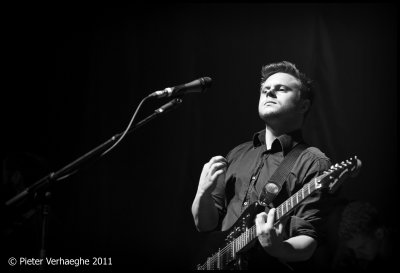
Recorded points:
337,173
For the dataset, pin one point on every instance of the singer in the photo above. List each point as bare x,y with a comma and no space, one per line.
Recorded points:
229,185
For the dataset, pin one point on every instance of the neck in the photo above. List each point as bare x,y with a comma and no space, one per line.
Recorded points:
272,131
270,136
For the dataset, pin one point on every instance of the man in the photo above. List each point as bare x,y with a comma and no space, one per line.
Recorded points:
366,242
228,186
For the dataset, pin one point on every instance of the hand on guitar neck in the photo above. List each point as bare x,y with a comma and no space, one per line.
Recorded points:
270,235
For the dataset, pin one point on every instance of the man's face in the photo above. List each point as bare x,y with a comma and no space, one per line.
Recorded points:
365,247
280,97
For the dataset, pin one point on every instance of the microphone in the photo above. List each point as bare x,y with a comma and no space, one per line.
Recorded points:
168,106
196,86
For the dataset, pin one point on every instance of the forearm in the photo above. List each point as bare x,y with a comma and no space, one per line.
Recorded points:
298,248
204,212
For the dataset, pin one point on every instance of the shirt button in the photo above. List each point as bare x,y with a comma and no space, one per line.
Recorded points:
252,178
245,203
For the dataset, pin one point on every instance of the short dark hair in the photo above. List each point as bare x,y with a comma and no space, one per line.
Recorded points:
358,217
306,87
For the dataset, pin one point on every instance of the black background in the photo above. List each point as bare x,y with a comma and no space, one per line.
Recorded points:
76,73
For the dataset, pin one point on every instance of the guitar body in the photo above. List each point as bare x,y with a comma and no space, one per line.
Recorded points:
251,256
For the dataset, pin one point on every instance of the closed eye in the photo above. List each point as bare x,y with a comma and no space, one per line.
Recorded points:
278,88
283,88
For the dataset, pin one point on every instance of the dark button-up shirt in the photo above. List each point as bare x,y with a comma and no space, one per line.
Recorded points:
251,165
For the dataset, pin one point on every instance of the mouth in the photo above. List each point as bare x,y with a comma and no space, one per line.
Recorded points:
269,102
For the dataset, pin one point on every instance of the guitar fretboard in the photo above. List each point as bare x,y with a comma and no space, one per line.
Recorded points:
228,253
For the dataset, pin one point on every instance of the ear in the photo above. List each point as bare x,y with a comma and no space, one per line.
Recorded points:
304,105
16,177
379,233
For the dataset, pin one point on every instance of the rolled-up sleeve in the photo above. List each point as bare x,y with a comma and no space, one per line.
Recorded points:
307,219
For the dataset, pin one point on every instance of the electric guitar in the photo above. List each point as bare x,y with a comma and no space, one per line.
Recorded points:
241,236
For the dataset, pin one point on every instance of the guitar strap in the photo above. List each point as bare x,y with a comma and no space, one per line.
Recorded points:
274,185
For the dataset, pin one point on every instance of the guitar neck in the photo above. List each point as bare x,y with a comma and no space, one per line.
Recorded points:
291,203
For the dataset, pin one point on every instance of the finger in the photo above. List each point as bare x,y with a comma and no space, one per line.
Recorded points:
216,166
206,168
260,222
216,174
213,160
263,216
271,218
279,230
217,158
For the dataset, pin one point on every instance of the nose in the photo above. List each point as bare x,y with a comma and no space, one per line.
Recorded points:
271,93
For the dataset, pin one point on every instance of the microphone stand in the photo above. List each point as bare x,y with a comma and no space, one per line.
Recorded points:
73,167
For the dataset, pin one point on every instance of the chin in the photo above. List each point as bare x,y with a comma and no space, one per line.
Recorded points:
266,115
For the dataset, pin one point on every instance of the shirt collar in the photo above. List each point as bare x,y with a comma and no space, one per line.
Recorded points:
284,142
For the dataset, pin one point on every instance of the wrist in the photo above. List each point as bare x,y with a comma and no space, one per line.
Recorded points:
201,193
277,250
204,191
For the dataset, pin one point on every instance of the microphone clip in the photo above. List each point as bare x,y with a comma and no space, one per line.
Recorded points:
161,93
